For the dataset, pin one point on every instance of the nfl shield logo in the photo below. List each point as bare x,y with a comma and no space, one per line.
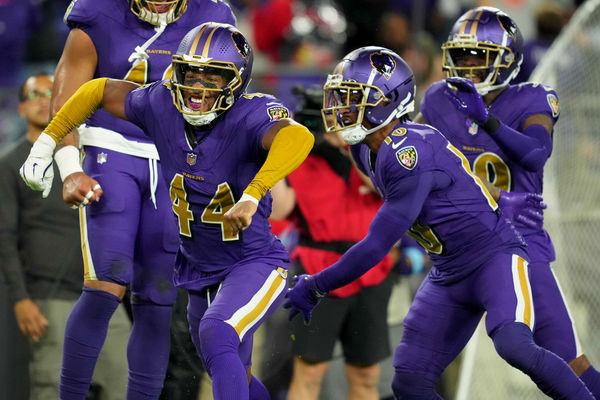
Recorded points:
407,157
191,158
101,159
473,128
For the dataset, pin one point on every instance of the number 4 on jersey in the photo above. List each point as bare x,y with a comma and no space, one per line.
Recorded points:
220,203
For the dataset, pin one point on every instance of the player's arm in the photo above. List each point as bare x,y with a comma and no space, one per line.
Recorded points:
393,218
76,66
91,96
288,144
530,148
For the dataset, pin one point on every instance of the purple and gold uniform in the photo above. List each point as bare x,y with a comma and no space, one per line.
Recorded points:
513,106
133,224
208,169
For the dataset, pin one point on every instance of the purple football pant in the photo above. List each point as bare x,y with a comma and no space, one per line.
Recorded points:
129,237
442,319
223,319
553,327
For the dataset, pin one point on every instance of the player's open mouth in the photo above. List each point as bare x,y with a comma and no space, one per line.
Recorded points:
161,8
195,103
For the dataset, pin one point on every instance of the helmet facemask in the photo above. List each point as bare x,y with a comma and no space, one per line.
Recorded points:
158,12
347,103
203,89
492,58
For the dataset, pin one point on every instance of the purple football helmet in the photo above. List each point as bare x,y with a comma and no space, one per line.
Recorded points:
158,12
492,37
373,82
219,58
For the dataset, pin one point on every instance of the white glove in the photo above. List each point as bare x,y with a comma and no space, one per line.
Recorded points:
37,171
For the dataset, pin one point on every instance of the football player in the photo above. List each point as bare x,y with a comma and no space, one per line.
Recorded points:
479,260
221,151
505,132
129,239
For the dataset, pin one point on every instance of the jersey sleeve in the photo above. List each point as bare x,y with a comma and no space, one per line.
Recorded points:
81,13
138,105
539,99
431,102
259,112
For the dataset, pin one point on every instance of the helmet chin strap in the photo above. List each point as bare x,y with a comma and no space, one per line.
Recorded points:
200,120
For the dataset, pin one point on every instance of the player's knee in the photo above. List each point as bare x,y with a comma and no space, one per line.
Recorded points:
310,373
514,343
414,386
216,338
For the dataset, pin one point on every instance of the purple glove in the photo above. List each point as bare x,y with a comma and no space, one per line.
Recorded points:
303,297
463,94
525,208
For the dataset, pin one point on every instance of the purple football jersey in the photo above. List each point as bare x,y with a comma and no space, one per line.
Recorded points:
206,179
513,106
106,21
458,224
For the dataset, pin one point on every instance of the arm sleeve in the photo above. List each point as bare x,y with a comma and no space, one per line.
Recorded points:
395,216
9,234
290,147
530,148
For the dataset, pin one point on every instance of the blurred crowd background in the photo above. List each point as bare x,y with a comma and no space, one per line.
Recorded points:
296,41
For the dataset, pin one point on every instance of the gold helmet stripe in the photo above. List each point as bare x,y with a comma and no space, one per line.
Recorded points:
464,25
196,40
207,43
475,23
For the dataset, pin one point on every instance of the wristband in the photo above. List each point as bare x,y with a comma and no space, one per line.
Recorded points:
247,197
67,161
491,124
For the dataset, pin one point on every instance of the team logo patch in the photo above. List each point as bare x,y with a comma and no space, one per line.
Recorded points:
384,64
277,112
407,157
101,158
191,158
553,103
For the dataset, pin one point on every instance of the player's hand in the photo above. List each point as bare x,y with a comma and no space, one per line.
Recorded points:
303,297
30,319
524,208
239,217
463,94
79,190
37,171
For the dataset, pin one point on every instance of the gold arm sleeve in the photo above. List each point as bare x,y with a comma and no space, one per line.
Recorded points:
84,102
290,147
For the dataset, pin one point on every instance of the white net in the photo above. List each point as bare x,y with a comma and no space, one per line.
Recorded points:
572,192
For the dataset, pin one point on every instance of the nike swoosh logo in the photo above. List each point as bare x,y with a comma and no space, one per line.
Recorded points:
396,145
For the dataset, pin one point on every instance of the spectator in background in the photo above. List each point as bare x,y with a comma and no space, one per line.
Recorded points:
44,283
550,18
418,49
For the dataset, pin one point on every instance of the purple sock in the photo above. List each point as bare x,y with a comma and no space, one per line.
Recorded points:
148,350
219,344
258,391
514,343
591,378
85,333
